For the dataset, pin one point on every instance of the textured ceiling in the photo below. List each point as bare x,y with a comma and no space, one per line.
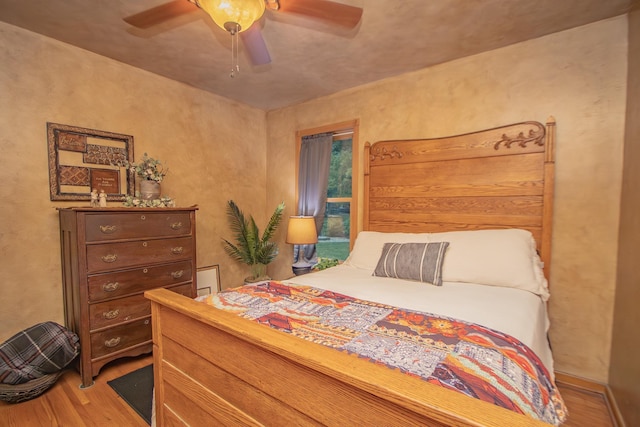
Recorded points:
309,58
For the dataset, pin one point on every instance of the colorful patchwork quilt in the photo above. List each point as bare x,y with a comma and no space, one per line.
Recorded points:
468,358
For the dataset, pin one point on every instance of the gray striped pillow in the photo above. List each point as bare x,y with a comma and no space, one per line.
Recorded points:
412,261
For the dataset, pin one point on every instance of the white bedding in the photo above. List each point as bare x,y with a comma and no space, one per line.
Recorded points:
518,313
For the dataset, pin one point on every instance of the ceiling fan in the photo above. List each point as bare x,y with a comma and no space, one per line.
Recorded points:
237,17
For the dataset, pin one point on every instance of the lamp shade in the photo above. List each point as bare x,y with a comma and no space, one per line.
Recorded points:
227,13
302,230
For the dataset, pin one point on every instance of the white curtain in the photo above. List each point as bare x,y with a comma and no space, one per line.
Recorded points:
313,180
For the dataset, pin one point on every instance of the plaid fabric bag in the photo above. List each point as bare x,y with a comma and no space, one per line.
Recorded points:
42,349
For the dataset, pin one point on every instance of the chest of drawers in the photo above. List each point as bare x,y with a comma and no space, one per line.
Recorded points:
110,257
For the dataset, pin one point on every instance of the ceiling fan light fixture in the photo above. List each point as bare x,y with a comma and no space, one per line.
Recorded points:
233,15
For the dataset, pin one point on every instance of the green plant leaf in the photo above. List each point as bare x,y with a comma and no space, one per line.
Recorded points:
249,247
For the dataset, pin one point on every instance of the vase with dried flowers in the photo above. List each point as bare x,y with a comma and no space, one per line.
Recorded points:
151,172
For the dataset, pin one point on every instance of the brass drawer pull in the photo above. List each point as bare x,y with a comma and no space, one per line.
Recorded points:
110,315
108,229
177,250
110,287
176,225
109,258
113,342
177,274
145,244
142,217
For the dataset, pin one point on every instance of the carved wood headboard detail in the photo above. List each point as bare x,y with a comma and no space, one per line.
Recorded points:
495,178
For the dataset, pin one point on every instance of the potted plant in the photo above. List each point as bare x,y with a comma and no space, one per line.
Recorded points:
151,172
250,248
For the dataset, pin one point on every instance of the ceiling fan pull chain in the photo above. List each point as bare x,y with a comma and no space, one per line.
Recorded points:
235,67
232,58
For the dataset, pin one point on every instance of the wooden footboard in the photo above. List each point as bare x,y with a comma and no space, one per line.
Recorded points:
215,368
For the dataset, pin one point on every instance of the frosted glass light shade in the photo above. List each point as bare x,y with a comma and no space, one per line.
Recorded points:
302,230
231,12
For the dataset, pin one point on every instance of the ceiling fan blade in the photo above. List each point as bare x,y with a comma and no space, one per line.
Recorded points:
255,46
337,13
157,15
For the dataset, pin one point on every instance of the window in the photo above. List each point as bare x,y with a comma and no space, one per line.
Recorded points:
338,230
333,240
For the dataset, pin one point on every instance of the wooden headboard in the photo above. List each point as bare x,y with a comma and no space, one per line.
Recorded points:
495,178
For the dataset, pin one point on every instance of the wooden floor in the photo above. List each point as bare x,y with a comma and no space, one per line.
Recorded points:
65,404
586,408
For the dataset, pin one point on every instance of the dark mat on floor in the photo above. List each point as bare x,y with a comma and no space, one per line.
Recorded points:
136,388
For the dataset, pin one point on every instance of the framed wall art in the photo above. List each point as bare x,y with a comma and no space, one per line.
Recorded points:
208,280
83,159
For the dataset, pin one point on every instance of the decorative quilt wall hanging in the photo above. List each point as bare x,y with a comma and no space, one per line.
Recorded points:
81,160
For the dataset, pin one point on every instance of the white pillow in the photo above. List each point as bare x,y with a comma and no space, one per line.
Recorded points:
368,247
504,257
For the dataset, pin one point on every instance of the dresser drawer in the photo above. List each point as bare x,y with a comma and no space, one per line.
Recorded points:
120,337
114,226
120,310
113,256
122,283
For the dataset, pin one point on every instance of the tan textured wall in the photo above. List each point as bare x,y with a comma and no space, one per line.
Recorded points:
215,150
578,76
624,375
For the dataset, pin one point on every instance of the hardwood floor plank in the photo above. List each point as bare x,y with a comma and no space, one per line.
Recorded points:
586,408
66,404
64,410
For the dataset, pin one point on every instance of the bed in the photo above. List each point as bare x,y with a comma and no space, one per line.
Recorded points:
456,237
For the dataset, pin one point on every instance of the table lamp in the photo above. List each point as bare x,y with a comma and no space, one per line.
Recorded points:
301,231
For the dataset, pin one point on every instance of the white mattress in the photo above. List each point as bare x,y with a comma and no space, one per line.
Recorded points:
518,313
